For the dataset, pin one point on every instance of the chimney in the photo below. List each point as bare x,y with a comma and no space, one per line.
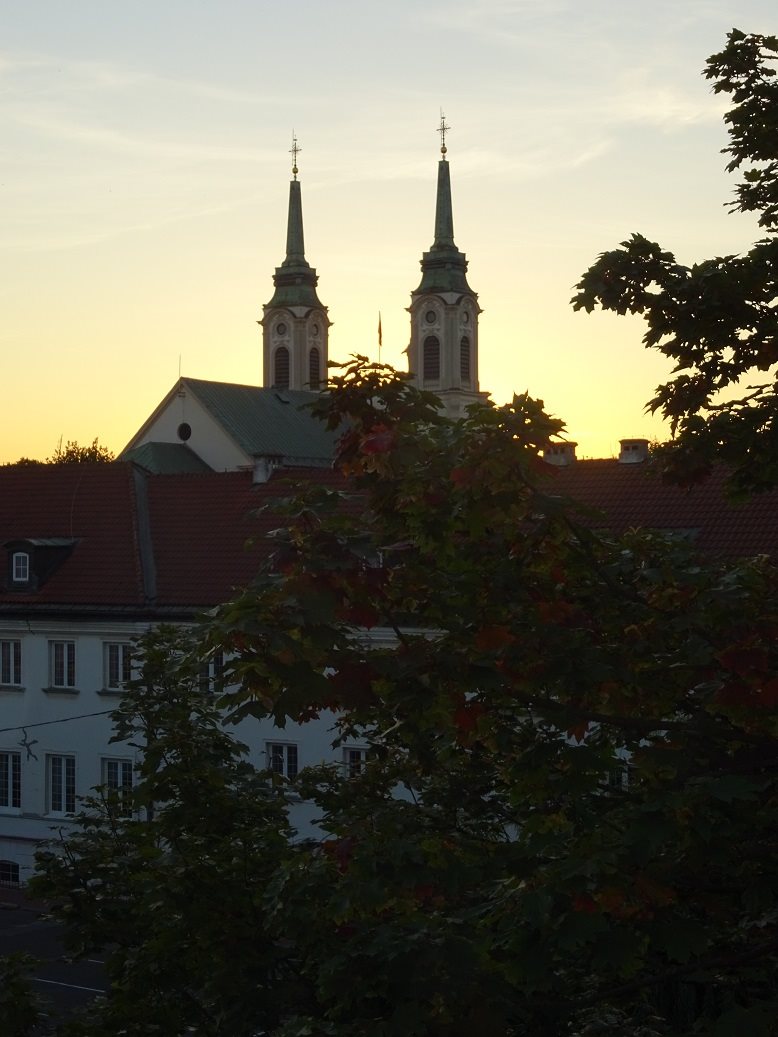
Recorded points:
264,466
560,454
633,451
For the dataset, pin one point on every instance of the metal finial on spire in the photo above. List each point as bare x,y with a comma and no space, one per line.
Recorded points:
443,130
294,151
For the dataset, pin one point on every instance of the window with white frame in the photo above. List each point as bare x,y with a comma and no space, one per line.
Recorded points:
61,784
20,567
618,776
10,781
9,873
10,663
117,665
212,673
282,759
354,760
62,664
117,780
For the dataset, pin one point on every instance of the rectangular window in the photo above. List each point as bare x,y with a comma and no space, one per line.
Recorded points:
61,783
118,665
282,759
618,777
10,781
21,567
117,778
353,761
62,662
212,673
10,662
9,873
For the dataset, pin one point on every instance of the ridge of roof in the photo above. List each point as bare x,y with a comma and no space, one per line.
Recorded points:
264,420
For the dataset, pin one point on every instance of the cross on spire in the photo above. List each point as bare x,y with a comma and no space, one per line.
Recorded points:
294,151
442,130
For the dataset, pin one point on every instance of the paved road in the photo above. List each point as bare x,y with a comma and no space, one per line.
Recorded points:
64,985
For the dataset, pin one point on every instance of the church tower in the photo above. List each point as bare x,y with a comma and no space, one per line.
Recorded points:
443,351
294,323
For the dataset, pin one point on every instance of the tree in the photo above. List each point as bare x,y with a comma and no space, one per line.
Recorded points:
74,453
167,881
566,823
21,1012
522,881
716,319
497,866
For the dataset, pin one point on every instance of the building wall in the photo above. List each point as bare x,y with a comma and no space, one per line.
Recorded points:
39,723
208,439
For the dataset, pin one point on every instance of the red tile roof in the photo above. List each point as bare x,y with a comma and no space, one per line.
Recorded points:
630,496
194,528
93,503
172,542
208,539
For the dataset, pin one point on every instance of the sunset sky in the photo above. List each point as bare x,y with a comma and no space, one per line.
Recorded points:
145,164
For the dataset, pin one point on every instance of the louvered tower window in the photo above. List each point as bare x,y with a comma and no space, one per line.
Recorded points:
281,368
314,368
464,359
431,365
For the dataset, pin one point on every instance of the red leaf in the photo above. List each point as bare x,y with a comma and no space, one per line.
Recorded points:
361,615
583,902
578,732
379,440
557,611
744,659
466,717
491,639
769,693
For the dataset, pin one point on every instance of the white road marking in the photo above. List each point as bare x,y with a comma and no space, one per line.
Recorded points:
73,986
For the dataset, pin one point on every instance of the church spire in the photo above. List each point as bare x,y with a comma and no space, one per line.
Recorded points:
444,267
295,241
294,322
295,280
443,351
444,215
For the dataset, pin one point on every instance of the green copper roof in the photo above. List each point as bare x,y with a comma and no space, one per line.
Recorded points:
444,267
295,280
165,458
268,421
444,214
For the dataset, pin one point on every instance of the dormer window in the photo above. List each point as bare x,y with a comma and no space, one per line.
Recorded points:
20,567
30,561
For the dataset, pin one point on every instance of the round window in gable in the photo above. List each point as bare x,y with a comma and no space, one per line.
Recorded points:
429,316
281,328
184,431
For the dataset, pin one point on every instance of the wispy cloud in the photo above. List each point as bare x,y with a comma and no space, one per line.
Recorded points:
78,76
107,139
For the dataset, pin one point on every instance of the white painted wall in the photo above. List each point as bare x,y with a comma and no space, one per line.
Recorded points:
208,440
57,722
